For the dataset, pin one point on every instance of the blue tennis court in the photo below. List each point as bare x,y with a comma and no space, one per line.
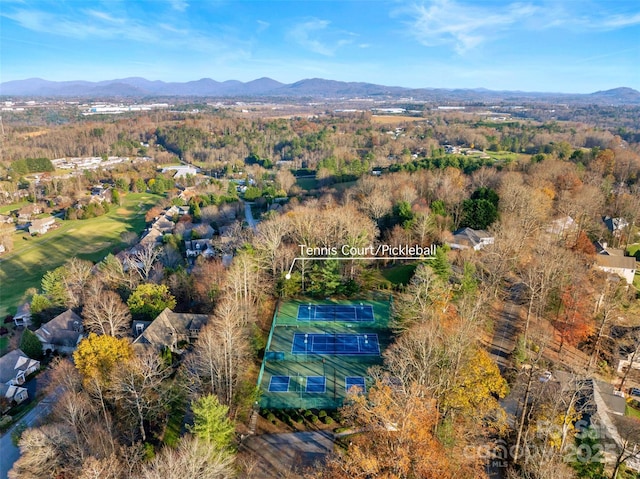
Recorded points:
333,312
337,344
279,384
316,384
354,381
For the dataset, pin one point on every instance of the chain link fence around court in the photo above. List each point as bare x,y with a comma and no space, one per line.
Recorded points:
317,350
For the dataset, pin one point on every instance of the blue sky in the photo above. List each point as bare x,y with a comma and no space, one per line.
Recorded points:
576,46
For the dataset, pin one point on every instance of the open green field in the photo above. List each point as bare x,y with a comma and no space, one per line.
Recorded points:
307,184
6,209
400,274
282,360
90,239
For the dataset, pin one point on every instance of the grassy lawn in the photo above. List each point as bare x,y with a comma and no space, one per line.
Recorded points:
630,411
4,344
90,239
307,184
631,249
6,209
400,274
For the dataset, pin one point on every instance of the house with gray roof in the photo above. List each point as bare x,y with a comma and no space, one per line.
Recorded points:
171,330
23,315
62,333
468,238
15,366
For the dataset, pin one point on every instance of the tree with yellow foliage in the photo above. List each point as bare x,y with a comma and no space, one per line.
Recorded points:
96,356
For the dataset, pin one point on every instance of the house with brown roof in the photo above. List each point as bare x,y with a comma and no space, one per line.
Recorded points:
623,266
171,330
62,333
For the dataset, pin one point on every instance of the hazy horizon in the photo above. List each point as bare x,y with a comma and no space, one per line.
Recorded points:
535,46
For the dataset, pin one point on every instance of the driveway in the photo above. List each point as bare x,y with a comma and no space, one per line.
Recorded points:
11,453
249,216
286,455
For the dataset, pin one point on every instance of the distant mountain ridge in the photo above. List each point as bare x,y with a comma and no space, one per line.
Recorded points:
137,87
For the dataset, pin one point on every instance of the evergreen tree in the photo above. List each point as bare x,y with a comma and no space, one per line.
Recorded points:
211,422
31,345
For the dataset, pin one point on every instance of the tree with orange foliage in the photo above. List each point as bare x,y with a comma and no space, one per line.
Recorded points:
584,245
396,439
574,323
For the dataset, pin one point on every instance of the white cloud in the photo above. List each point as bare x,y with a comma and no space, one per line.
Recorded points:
262,25
317,36
442,22
179,5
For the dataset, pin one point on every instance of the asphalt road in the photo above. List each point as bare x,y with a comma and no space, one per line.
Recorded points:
249,216
11,453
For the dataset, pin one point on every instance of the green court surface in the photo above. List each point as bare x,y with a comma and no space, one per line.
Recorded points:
317,349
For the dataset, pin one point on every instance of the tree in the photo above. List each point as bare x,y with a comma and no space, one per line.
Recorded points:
211,422
399,441
285,180
96,356
143,260
31,345
574,323
192,458
627,446
45,452
478,214
54,287
106,313
148,300
77,275
139,392
221,354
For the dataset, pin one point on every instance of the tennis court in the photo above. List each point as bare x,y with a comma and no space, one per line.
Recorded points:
279,384
332,312
354,381
318,350
347,344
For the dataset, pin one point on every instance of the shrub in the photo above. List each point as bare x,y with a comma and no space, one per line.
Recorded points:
328,420
322,413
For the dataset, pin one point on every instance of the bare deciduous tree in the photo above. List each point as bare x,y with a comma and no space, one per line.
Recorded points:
192,458
106,313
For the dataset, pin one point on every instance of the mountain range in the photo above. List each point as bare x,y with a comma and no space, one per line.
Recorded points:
136,87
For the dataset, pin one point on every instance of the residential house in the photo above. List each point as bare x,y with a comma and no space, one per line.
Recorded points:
623,266
615,225
42,225
15,366
62,333
466,238
199,247
562,226
23,315
171,330
626,363
181,171
27,212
